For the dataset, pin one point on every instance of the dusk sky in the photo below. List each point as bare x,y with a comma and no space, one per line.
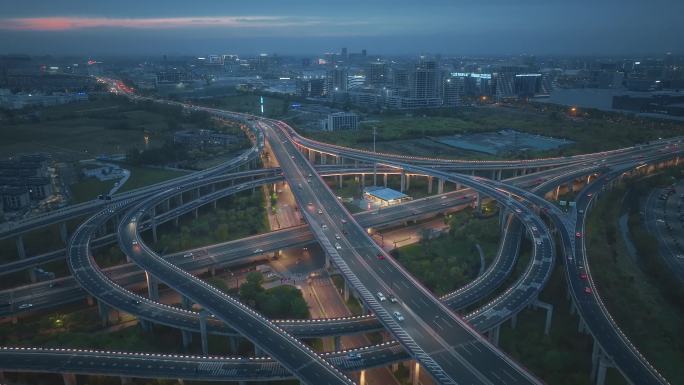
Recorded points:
94,27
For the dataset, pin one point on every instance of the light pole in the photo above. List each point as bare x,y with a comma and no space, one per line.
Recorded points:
375,165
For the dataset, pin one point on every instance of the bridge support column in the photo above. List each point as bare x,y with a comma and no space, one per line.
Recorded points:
429,183
337,343
324,159
402,185
312,156
63,234
186,302
69,379
145,325
21,250
494,335
196,212
385,179
363,181
214,203
152,286
362,377
233,344
514,321
477,201
345,291
103,312
414,373
154,230
167,205
581,326
573,308
203,331
549,314
375,174
603,366
440,186
257,351
340,183
187,338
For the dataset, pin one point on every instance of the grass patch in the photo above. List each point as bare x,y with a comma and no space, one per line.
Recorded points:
145,176
450,261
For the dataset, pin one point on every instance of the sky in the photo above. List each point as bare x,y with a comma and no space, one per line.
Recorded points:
459,27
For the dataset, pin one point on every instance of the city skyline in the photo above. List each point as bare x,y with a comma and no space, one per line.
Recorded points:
304,27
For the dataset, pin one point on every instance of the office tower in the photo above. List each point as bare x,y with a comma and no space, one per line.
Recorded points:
424,82
376,74
336,80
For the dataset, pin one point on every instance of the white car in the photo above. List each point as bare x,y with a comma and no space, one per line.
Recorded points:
324,227
337,236
320,211
337,246
187,255
381,297
398,316
534,228
258,251
25,306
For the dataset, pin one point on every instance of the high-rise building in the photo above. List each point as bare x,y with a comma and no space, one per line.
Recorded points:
424,82
376,74
453,91
344,54
336,80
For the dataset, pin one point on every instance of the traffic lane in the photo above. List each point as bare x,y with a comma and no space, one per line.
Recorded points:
323,193
295,356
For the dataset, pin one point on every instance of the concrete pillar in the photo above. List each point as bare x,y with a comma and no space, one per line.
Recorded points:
603,366
337,342
514,321
408,181
494,335
154,230
346,290
214,203
323,158
363,181
63,234
477,201
549,314
581,325
402,186
494,175
186,302
145,325
429,183
196,212
440,186
362,377
385,179
414,373
257,351
233,344
340,184
572,308
203,331
21,251
498,174
103,311
365,310
167,205
69,379
152,287
187,338
312,156
375,174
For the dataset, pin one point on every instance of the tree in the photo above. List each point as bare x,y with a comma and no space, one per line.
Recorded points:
252,289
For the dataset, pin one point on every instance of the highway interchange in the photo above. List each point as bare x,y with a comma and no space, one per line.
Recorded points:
427,330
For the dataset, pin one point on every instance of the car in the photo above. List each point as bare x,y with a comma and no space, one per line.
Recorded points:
580,211
517,210
187,255
354,356
443,197
381,256
534,228
292,157
310,204
578,234
309,175
337,236
583,275
134,243
398,316
589,195
137,301
25,306
587,290
338,246
344,221
258,251
443,204
324,226
539,242
300,186
381,297
308,180
320,211
393,299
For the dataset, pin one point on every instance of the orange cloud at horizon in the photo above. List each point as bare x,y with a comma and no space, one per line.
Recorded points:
72,23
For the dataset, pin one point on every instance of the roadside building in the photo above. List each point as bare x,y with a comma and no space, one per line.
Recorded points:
384,196
341,121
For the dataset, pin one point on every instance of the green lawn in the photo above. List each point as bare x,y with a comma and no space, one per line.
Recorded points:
595,132
144,176
450,261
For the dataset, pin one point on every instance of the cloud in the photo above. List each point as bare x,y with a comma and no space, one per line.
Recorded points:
59,23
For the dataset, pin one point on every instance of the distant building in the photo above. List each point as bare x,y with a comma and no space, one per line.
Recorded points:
376,74
14,198
341,121
20,100
336,80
